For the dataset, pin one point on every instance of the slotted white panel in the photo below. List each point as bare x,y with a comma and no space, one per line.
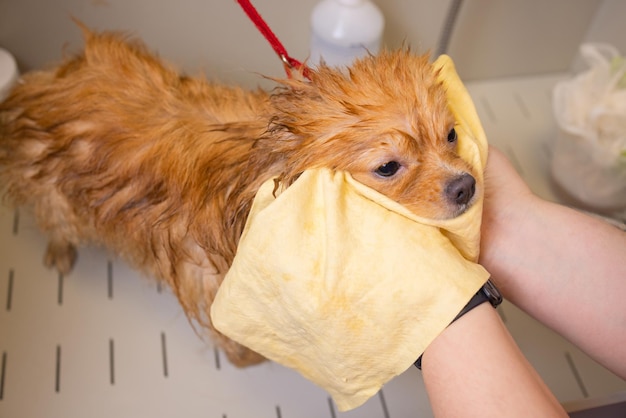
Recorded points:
104,342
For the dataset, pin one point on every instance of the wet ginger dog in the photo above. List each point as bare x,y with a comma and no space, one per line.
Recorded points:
115,148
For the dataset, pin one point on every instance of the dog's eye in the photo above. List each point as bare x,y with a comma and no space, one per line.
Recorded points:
388,169
452,136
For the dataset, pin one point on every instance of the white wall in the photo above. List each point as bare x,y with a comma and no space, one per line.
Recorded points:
496,38
493,38
609,24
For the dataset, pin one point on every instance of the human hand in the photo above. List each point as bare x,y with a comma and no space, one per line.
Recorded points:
506,193
508,204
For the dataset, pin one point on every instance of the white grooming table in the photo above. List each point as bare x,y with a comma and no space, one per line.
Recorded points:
105,342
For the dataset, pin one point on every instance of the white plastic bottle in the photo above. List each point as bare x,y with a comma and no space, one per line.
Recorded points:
342,30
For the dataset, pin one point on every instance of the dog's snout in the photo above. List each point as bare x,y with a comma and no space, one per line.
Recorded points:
461,189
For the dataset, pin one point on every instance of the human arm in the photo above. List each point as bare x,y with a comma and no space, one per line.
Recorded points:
474,368
564,268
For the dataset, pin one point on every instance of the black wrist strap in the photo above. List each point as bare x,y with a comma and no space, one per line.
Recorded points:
487,293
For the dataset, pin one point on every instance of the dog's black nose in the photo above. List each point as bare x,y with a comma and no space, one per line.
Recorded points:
460,190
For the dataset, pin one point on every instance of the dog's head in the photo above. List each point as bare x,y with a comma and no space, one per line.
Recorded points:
385,121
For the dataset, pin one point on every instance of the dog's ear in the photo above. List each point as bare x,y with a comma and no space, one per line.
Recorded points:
290,131
295,108
292,102
87,33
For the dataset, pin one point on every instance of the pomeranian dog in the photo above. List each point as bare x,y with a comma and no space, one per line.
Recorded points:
113,147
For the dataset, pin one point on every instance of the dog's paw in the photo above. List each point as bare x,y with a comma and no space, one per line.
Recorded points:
60,256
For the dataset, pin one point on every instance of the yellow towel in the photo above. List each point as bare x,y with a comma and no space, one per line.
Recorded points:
343,284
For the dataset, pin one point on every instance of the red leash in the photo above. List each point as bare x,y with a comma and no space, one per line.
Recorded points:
288,62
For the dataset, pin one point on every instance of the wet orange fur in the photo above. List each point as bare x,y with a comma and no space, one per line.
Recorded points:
115,148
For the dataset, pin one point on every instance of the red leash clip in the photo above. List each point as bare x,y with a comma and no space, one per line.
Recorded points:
288,62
